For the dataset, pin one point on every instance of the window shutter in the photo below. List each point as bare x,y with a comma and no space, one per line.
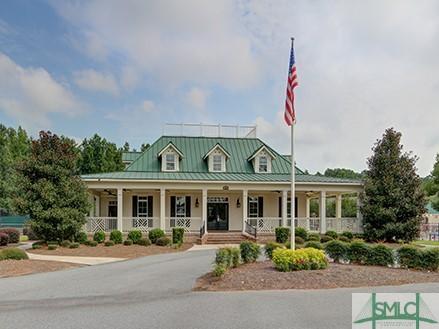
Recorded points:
260,206
150,206
296,208
172,212
279,206
134,205
188,206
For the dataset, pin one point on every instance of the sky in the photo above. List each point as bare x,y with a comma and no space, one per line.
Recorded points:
123,69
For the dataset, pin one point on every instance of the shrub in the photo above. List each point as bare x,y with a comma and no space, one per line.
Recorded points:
337,250
27,230
223,257
135,236
282,234
430,259
303,259
116,236
13,253
343,238
74,245
219,270
92,243
358,252
52,246
348,234
144,242
313,244
326,238
332,234
81,237
300,231
163,241
314,237
250,251
236,256
13,234
36,245
109,243
99,236
52,242
358,236
380,255
24,238
299,240
409,257
4,239
177,235
128,242
270,247
65,243
155,234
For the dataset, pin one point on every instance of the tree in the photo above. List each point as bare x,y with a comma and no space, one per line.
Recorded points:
342,173
49,190
393,201
98,155
126,147
144,147
431,185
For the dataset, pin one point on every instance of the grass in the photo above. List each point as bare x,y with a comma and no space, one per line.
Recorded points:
426,243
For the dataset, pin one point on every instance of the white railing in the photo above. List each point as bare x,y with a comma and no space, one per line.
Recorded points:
351,224
311,224
190,224
430,231
143,224
106,224
209,130
265,224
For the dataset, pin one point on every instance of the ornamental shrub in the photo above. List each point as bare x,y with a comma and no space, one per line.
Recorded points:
300,231
380,255
52,246
36,245
13,253
299,240
219,270
282,234
430,259
326,238
177,235
250,251
408,257
236,256
313,244
314,237
144,242
116,236
109,243
332,234
99,236
74,245
270,247
302,259
27,230
348,234
163,241
135,236
337,250
358,252
128,242
81,237
343,238
155,234
65,243
92,243
13,234
223,257
54,242
4,239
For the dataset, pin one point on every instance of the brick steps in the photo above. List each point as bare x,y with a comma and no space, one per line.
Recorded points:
226,238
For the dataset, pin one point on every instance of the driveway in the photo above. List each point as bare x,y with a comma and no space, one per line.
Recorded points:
155,292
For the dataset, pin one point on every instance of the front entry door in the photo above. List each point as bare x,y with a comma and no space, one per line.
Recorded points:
217,216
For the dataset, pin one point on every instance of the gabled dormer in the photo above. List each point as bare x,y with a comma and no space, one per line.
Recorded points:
216,158
262,159
170,157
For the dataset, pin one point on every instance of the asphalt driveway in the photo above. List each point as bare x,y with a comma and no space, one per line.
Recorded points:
155,292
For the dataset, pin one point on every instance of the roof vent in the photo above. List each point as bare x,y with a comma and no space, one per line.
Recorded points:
209,130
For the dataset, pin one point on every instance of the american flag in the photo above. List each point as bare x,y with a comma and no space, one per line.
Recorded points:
290,113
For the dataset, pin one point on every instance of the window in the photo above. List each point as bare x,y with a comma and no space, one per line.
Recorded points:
142,206
263,164
217,162
170,162
180,206
253,206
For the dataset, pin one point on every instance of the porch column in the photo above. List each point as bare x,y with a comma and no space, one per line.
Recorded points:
204,209
307,211
97,206
338,206
244,208
284,208
322,205
359,226
119,208
162,208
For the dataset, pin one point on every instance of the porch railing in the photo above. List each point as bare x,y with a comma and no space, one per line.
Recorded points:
190,224
265,224
250,229
351,224
106,224
143,224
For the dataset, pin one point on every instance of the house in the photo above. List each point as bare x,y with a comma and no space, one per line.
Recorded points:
210,185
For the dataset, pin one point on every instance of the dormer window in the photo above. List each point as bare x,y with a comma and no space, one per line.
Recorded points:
170,162
262,159
216,158
217,164
263,164
170,156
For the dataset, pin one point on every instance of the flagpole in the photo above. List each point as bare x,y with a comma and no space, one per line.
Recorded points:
293,182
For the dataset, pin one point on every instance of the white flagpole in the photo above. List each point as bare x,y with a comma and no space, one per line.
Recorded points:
293,190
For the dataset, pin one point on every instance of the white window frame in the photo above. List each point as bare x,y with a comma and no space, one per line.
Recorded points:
182,204
170,162
260,165
142,199
253,201
215,163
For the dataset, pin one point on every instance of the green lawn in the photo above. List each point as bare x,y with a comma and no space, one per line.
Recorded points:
426,243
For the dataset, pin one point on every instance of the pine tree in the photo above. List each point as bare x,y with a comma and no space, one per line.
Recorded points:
393,201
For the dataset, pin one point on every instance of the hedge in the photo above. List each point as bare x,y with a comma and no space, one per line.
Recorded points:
380,255
332,234
116,236
177,235
155,234
163,241
4,239
144,242
250,251
226,258
358,252
301,232
314,237
337,250
99,236
13,234
13,253
109,243
282,234
313,244
135,236
81,237
286,260
128,242
411,257
270,247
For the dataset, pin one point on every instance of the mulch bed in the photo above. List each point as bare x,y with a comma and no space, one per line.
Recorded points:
116,251
263,276
22,267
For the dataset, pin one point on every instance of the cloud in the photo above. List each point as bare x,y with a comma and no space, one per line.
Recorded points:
92,80
197,98
148,106
30,95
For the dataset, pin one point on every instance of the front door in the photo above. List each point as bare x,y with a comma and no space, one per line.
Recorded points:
217,216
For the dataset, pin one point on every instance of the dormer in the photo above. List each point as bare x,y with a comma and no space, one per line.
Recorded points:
262,159
216,158
170,157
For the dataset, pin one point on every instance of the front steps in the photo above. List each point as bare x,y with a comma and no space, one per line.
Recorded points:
225,238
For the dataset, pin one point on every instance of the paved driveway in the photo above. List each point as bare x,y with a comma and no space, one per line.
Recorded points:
155,292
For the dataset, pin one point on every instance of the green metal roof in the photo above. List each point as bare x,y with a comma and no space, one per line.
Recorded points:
130,156
431,210
193,167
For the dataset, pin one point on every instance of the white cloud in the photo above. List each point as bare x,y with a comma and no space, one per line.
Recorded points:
197,98
148,106
93,80
30,95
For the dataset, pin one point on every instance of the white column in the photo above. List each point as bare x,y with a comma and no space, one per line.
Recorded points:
244,208
98,206
322,205
204,208
359,215
307,211
162,209
338,205
119,208
284,208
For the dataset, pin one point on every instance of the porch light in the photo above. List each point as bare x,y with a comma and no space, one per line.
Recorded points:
238,203
197,204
